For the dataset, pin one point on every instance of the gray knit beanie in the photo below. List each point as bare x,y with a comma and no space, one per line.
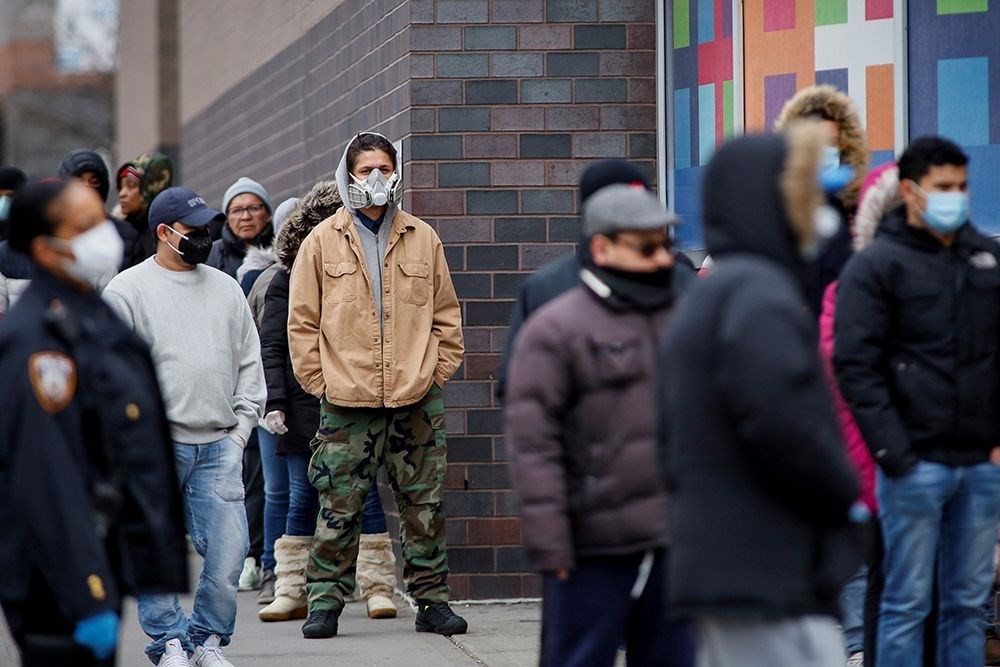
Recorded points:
242,186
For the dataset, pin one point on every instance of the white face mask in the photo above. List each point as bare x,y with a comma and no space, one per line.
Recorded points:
97,252
376,190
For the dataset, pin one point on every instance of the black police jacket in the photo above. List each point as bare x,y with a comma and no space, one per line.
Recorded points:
88,488
916,351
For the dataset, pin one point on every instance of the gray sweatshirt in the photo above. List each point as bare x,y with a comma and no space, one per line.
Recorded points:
204,344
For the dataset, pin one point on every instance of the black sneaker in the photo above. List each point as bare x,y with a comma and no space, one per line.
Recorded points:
321,624
438,617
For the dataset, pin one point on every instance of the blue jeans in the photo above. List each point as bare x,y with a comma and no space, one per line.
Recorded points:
373,516
947,512
303,500
852,611
275,495
212,485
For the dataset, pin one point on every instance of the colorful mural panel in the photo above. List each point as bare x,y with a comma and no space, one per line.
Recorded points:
954,89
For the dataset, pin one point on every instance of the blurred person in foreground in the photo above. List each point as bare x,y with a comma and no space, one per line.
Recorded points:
88,495
581,425
764,502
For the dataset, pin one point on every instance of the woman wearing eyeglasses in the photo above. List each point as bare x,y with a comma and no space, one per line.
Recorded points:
248,224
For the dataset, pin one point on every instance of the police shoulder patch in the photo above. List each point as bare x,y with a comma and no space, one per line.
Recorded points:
53,378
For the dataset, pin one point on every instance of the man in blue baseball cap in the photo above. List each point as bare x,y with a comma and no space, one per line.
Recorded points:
207,354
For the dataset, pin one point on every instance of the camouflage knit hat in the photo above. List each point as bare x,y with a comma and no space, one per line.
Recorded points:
155,172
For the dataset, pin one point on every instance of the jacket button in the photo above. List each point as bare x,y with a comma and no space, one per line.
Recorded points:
378,364
386,290
901,366
132,411
388,315
375,340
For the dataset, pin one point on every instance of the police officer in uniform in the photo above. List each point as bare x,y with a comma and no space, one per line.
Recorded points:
89,500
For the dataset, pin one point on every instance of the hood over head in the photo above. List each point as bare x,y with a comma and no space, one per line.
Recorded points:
343,177
280,213
760,193
156,174
826,102
321,202
82,160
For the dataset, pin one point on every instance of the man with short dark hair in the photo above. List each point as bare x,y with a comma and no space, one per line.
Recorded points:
375,331
917,356
207,354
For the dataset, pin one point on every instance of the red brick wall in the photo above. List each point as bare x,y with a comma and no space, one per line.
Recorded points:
502,104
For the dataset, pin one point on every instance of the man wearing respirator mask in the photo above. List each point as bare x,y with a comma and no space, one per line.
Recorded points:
374,330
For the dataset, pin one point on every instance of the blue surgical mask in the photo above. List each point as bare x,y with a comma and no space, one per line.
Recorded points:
830,159
832,176
946,211
5,207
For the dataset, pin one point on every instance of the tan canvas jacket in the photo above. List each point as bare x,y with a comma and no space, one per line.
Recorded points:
334,335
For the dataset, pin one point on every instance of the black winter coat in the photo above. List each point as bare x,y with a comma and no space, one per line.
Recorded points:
228,252
917,351
283,390
84,434
761,486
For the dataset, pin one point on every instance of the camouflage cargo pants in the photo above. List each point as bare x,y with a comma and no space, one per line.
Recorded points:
348,448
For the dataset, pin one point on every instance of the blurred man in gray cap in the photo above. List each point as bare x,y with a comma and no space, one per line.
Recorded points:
593,499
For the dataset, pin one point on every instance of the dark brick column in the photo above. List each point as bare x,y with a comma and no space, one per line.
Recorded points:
510,100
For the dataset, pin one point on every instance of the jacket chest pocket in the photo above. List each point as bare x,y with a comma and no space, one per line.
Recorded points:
340,282
617,360
414,283
985,294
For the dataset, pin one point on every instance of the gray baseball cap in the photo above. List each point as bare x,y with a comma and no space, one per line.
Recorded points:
621,208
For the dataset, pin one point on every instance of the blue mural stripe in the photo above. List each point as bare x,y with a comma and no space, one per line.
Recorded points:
706,123
963,101
838,78
706,21
687,205
682,128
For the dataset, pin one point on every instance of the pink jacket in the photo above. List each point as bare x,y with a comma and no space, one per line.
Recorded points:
857,450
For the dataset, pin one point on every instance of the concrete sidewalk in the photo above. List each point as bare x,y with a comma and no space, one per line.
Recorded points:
499,635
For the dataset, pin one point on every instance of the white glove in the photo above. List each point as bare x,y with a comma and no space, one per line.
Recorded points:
275,422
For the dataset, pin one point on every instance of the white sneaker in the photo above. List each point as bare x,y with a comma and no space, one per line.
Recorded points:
210,654
250,576
856,660
174,655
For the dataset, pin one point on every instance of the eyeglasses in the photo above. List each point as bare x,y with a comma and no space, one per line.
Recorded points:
237,213
646,248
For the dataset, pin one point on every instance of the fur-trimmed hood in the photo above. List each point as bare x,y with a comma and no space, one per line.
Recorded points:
320,203
826,102
759,195
256,259
879,195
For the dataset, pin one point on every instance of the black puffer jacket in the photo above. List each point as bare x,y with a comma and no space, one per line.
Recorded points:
917,351
283,391
761,486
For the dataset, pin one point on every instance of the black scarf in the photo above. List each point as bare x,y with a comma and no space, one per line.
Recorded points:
630,290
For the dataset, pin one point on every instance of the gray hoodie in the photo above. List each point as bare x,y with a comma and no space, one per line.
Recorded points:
374,245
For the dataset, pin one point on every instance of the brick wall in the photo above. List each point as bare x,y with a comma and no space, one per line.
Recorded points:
502,103
510,100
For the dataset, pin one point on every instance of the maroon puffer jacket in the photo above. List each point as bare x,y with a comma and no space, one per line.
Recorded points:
581,431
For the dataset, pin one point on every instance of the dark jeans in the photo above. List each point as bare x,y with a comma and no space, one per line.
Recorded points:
253,482
373,516
587,617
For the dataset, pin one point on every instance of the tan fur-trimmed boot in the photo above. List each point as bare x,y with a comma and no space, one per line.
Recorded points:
377,574
291,553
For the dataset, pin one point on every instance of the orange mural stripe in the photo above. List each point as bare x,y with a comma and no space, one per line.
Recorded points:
881,114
